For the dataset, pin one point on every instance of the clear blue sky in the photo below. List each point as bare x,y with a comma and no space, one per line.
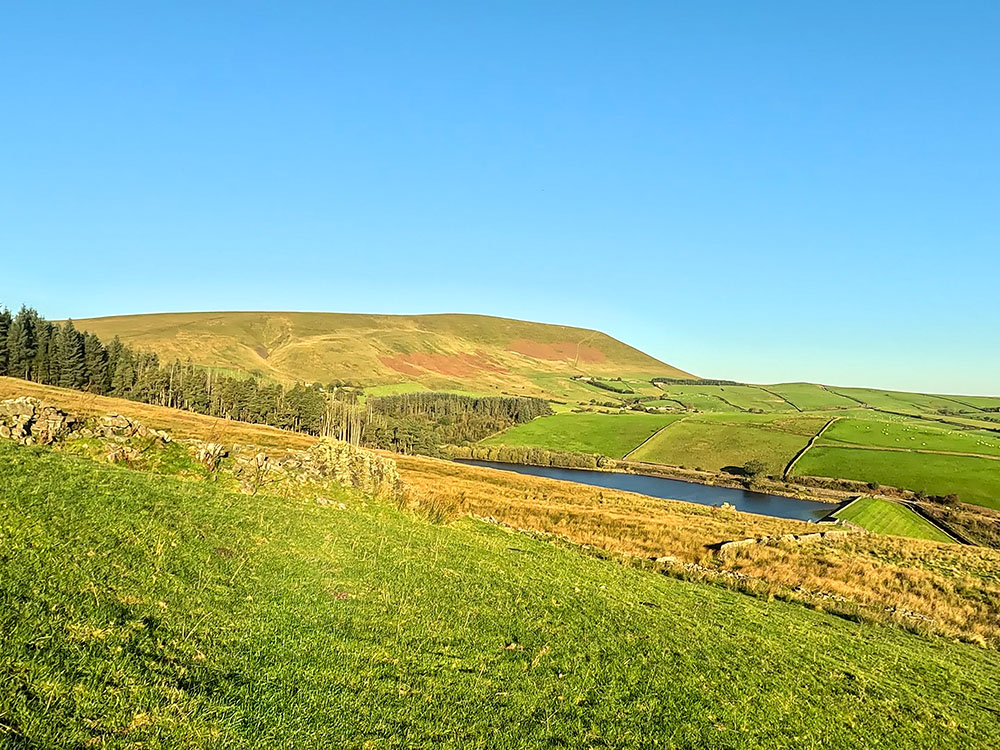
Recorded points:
752,190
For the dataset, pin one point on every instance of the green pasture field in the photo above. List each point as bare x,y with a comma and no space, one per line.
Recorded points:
811,397
886,517
696,397
713,442
611,435
394,389
910,434
910,403
566,389
974,480
144,611
726,398
980,402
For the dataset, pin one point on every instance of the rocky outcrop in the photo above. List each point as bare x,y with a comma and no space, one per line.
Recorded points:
724,548
356,467
210,455
29,421
124,440
120,426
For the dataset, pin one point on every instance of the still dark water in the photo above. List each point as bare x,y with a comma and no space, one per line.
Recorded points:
675,489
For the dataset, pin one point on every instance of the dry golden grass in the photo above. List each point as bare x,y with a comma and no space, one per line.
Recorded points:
620,522
944,588
181,424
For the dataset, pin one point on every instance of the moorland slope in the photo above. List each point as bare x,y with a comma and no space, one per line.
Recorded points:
456,352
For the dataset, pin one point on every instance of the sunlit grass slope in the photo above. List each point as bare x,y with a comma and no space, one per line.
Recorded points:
465,352
145,611
886,517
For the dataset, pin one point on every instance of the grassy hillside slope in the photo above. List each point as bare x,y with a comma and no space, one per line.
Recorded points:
464,352
946,588
147,611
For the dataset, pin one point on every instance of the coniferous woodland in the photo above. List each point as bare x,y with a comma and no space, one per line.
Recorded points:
35,349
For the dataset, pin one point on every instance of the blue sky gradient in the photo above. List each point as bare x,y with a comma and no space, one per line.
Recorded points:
762,191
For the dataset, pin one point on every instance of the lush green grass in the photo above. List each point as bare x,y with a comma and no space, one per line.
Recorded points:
980,402
911,434
726,398
146,611
713,442
907,403
611,435
811,397
974,480
887,517
698,397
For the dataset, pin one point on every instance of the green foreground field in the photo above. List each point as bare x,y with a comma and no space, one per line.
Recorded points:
887,517
141,610
612,435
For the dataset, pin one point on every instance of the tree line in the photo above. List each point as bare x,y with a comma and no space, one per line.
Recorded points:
458,419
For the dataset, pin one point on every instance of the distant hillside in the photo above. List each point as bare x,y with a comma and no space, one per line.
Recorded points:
458,352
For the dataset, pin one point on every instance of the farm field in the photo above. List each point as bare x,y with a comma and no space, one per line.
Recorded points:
611,435
726,398
230,620
910,434
811,397
974,480
912,403
886,517
697,398
990,403
715,442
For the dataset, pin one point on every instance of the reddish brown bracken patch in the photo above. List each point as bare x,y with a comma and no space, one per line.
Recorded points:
453,365
561,351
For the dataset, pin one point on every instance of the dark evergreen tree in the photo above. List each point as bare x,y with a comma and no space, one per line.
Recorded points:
22,343
46,363
72,362
95,358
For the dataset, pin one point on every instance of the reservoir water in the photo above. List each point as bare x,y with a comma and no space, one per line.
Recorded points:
676,489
